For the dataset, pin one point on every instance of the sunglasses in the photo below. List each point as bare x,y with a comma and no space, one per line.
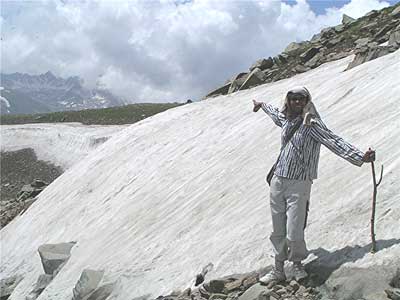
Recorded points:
297,97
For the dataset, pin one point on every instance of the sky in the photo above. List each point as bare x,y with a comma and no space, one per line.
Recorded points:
159,51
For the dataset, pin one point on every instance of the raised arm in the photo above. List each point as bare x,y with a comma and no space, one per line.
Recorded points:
336,144
271,111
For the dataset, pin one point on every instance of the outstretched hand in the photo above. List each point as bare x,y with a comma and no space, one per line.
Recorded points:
257,105
369,156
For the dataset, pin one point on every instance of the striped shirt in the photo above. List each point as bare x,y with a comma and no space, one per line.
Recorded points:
299,159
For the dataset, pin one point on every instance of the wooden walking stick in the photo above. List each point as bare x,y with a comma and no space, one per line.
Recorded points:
376,184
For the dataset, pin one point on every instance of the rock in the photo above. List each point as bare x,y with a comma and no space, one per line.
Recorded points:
346,20
362,42
54,255
333,42
294,284
393,294
37,183
256,77
7,285
216,286
223,90
372,14
254,292
42,282
394,38
262,64
335,56
250,280
369,26
218,296
368,55
280,60
307,55
293,47
237,82
314,62
316,38
301,69
87,284
396,12
383,31
339,28
102,292
232,286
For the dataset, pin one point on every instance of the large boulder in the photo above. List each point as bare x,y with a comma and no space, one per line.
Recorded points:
346,20
7,286
256,77
237,82
42,282
310,53
262,64
87,284
54,256
394,37
396,12
223,90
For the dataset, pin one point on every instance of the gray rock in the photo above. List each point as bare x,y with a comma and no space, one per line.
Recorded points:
237,82
254,292
371,54
393,294
383,31
280,60
42,282
396,12
216,286
262,64
339,28
37,183
394,38
347,19
102,292
362,42
293,47
256,77
307,55
372,14
223,90
7,285
333,42
301,69
87,284
316,38
218,296
54,255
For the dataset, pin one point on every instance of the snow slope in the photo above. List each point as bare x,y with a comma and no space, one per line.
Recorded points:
62,144
164,197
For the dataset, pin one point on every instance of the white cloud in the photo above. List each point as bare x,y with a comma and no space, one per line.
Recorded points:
156,51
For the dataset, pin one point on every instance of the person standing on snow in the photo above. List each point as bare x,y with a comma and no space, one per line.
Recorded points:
295,170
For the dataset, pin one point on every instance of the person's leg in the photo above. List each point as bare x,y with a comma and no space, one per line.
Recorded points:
278,235
279,220
297,195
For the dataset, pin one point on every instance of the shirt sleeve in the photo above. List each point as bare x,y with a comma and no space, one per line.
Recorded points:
336,144
274,114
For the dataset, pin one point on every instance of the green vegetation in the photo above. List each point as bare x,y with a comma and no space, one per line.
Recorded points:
107,116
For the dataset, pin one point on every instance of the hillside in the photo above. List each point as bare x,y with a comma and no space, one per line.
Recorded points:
127,114
164,197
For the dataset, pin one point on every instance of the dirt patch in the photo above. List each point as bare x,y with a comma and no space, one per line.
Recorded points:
22,167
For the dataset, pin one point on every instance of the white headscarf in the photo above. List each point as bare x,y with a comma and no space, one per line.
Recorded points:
309,111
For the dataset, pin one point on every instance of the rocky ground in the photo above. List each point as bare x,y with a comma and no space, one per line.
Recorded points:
18,170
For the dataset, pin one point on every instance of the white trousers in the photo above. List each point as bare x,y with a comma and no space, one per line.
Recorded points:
288,200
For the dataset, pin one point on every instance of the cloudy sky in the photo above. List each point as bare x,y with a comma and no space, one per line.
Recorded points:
159,51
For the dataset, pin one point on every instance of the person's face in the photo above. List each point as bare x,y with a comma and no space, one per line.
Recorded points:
297,102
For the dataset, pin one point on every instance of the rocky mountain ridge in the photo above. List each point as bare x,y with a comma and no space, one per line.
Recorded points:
371,36
24,93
